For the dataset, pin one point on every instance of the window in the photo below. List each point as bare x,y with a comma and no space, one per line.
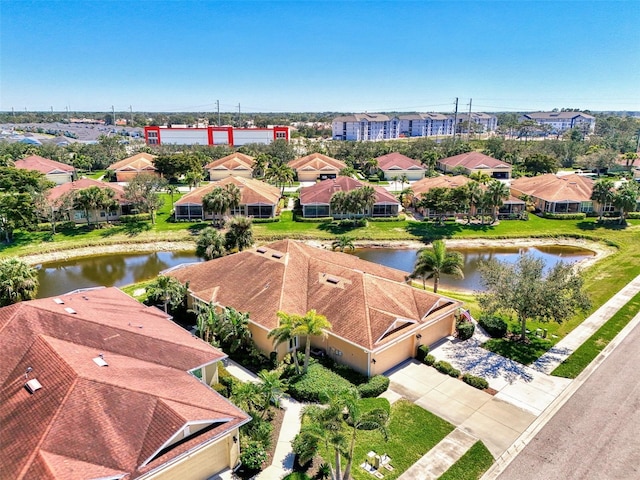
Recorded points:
293,343
281,135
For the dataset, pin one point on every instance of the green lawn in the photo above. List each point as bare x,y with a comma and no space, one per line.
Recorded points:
524,353
413,431
578,360
471,465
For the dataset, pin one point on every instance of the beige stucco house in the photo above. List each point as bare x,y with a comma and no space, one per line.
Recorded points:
98,386
128,168
237,165
395,165
56,172
378,320
473,162
316,167
557,194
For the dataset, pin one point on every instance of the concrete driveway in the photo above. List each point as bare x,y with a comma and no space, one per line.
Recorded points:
497,423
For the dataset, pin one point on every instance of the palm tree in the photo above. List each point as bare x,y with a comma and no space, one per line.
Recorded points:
208,322
167,290
367,199
603,194
474,194
342,243
285,333
405,196
260,164
281,174
338,202
234,329
234,196
271,388
312,324
239,234
193,178
436,261
497,192
626,199
88,200
403,179
18,281
210,244
246,395
480,177
216,202
171,189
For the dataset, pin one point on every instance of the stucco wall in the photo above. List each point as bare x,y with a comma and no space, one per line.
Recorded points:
221,174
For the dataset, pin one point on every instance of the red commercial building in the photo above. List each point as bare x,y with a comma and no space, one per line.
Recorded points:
232,136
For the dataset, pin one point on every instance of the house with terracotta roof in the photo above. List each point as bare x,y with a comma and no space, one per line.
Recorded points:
237,165
557,194
378,320
128,168
316,199
396,165
473,162
257,199
98,386
56,172
316,167
124,207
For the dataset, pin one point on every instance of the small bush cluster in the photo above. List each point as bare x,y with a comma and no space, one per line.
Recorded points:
253,455
446,368
399,218
265,220
140,217
565,216
494,326
477,382
318,381
429,360
423,351
633,215
464,329
376,385
299,218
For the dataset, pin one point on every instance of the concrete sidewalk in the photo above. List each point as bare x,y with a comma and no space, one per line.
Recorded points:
565,347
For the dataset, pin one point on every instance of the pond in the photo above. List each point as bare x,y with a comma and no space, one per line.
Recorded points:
404,259
124,269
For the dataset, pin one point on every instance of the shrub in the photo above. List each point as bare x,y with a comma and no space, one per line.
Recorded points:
221,389
477,382
224,377
373,179
465,329
374,387
429,360
446,368
301,219
633,215
265,220
494,326
253,455
423,351
399,218
318,380
140,217
565,216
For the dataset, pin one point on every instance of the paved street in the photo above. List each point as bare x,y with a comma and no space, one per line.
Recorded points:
595,433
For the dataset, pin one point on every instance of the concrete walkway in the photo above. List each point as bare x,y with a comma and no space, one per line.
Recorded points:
440,458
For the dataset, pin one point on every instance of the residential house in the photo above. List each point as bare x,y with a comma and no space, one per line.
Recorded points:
237,165
125,170
557,194
79,216
425,125
378,320
97,385
473,162
257,199
316,199
511,206
56,172
396,165
316,166
559,122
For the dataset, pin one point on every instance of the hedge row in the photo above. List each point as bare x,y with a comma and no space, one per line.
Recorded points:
494,326
477,382
266,220
633,215
399,218
446,368
301,219
376,385
140,217
318,381
565,216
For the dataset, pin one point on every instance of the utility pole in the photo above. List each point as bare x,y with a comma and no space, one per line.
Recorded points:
113,115
218,107
131,113
238,113
13,112
469,122
455,122
67,107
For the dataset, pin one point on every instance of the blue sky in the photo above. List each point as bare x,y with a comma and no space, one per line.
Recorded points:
347,56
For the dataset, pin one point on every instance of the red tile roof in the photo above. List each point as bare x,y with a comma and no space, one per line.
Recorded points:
322,191
89,421
553,188
473,160
140,162
43,165
365,303
397,161
426,184
235,161
317,161
252,192
82,183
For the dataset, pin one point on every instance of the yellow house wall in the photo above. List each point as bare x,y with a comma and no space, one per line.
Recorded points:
411,174
392,356
220,174
203,463
60,178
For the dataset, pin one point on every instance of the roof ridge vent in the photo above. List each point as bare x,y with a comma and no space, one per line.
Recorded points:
58,301
70,310
100,361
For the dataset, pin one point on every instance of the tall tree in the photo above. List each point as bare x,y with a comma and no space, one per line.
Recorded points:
17,210
210,244
92,199
166,290
481,177
311,324
603,194
367,198
474,196
216,202
436,261
497,192
239,233
285,332
234,329
626,199
143,192
524,289
208,321
18,281
271,388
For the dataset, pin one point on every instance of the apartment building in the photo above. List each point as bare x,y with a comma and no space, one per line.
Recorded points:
562,121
